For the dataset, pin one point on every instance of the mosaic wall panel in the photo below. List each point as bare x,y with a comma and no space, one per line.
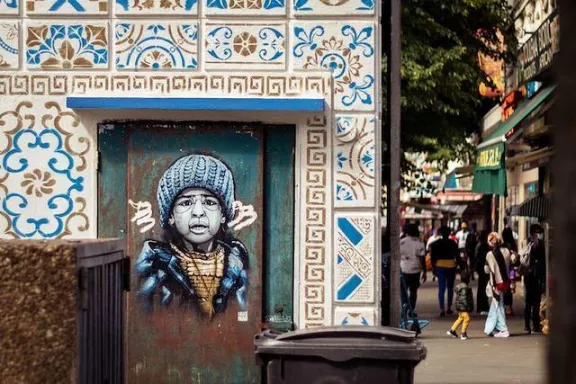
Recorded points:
9,46
245,7
315,235
354,264
66,7
346,49
9,7
46,170
354,161
244,84
67,46
333,7
156,7
147,46
355,316
237,46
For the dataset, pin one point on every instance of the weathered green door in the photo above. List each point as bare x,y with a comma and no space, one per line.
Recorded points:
190,200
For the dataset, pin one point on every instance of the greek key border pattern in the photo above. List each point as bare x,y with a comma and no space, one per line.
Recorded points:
265,85
316,308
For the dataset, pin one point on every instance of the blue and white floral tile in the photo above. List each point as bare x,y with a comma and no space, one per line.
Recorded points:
9,7
354,258
346,49
245,7
354,161
156,7
67,46
9,46
365,316
242,46
333,7
66,7
45,171
154,46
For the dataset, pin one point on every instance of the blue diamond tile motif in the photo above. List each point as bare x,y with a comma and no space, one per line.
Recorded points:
66,7
245,7
9,7
349,287
354,263
349,230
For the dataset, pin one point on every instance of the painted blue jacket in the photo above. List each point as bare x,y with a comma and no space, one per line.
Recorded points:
162,274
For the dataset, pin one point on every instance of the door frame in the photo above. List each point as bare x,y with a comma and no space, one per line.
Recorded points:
113,205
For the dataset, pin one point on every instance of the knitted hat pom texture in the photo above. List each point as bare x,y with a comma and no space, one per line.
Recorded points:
196,171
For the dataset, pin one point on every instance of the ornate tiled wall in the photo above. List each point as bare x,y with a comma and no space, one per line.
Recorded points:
51,49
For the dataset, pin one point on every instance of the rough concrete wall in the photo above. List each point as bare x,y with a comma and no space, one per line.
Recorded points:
38,321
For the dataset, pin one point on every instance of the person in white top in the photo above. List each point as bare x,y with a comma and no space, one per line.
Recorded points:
435,236
462,236
412,261
497,267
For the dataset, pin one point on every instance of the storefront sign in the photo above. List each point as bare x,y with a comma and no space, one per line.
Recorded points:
537,53
536,127
490,158
511,102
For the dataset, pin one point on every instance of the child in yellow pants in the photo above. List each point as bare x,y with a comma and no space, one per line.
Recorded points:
464,305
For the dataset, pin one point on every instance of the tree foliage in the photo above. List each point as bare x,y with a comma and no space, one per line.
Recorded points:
441,104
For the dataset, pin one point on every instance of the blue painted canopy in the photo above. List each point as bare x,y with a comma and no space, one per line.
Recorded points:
198,103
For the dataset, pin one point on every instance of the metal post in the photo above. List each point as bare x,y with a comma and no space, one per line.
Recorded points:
562,351
393,100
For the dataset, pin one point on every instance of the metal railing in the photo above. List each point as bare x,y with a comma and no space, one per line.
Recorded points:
102,279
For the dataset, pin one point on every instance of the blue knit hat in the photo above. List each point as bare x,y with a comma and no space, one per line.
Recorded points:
196,171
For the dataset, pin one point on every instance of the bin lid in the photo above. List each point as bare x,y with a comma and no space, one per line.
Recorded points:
343,343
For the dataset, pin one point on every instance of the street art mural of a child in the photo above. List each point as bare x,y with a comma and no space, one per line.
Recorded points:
199,262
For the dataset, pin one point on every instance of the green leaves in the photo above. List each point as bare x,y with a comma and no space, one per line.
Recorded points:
441,104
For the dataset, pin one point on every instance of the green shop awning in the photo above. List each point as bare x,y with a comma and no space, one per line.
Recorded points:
490,168
523,111
490,171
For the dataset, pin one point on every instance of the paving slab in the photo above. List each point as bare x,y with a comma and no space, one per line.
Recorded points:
519,359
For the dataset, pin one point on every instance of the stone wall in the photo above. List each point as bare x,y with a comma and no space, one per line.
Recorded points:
38,323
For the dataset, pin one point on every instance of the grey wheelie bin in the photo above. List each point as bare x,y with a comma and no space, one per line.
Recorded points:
339,355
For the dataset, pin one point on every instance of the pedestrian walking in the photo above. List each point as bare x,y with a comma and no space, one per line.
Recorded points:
444,254
471,242
497,266
533,266
435,236
413,262
482,249
462,238
464,305
511,244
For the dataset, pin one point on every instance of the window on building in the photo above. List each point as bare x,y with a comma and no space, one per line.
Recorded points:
513,196
530,190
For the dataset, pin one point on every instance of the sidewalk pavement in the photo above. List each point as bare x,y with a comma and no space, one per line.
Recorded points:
519,359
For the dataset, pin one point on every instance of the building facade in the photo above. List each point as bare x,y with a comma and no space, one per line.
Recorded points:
119,119
516,145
